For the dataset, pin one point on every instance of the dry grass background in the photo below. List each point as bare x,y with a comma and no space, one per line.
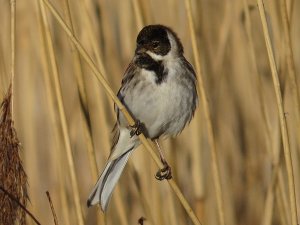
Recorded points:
238,82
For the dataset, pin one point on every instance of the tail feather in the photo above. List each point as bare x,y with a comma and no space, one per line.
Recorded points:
106,183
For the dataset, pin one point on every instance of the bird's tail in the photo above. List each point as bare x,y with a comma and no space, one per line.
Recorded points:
108,180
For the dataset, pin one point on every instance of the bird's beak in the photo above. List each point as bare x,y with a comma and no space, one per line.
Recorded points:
140,49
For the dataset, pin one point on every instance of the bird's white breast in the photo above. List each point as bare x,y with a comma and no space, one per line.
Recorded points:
156,105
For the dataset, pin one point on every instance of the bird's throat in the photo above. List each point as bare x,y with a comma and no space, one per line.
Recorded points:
145,61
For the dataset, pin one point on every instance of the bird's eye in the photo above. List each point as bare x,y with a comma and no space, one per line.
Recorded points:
155,44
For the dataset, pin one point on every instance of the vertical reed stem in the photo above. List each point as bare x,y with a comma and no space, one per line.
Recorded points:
62,116
283,125
211,139
13,51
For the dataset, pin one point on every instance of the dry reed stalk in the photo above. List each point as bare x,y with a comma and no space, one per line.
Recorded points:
52,208
87,20
172,215
130,120
106,108
12,175
62,117
154,196
226,27
283,125
51,105
25,98
121,209
78,70
275,182
197,169
3,80
258,79
291,69
76,59
110,51
62,195
88,17
196,142
148,194
268,209
269,202
283,198
20,205
204,100
289,54
13,51
290,8
137,14
281,208
141,195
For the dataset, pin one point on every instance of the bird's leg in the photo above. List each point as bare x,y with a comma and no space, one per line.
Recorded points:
137,128
165,172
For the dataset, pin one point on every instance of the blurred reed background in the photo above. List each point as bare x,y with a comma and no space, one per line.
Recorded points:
62,112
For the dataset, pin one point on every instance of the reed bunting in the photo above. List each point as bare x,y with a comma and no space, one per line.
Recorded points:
159,91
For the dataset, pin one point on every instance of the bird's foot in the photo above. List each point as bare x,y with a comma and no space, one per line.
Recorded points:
164,173
137,128
141,220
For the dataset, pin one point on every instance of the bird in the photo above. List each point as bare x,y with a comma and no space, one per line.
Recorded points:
159,91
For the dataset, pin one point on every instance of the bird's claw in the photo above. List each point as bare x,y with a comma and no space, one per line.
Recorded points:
136,129
141,220
164,173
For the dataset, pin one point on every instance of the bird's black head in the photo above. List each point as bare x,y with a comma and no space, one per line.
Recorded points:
158,39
